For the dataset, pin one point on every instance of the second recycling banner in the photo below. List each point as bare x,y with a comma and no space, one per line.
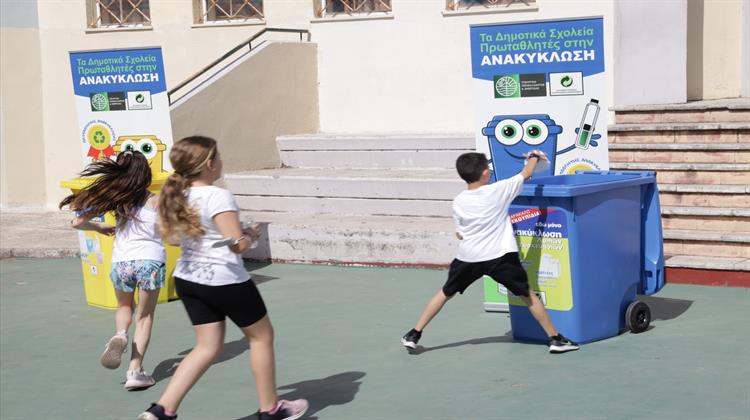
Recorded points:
540,85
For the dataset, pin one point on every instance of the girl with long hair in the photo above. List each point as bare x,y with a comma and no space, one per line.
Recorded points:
138,256
212,281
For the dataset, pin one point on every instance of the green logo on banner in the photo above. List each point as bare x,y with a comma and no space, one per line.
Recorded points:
507,86
566,81
139,98
99,102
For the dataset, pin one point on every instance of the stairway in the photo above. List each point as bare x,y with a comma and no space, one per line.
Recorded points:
359,200
701,152
385,199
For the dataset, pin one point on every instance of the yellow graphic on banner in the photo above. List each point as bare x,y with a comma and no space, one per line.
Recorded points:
149,145
99,137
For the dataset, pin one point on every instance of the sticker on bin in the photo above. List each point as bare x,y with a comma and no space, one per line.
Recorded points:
544,250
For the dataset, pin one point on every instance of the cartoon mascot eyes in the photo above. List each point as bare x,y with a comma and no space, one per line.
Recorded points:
128,145
508,132
534,132
147,147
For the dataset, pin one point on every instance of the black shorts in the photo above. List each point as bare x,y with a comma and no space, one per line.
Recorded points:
240,302
506,270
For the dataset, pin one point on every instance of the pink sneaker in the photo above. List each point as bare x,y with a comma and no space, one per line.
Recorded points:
286,410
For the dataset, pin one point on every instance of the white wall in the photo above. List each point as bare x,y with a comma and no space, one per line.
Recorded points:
412,73
650,51
745,51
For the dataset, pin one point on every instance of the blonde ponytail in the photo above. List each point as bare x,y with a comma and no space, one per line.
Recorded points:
178,219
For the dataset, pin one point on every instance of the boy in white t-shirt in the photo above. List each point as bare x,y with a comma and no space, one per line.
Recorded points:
488,245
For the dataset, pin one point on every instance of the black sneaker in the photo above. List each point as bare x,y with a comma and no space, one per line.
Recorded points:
155,412
560,344
411,338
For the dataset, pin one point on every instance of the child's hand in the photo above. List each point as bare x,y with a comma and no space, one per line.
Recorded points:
252,231
106,230
537,153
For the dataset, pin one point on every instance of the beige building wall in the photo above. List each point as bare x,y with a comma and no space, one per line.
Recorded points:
717,48
270,92
22,171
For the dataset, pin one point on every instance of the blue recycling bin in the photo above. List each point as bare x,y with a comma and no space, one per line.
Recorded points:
590,243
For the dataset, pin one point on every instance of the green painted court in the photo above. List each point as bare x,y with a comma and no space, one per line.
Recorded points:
337,339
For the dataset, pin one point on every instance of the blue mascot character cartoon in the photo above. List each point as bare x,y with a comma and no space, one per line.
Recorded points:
511,137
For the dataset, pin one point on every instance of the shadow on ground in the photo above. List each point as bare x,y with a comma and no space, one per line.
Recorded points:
166,368
338,389
663,309
476,341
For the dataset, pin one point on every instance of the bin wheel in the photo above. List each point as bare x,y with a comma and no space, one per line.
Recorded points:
638,317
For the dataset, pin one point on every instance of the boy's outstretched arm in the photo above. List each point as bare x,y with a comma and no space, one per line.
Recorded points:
531,160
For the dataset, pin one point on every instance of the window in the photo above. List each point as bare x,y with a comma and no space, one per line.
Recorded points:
456,5
327,8
228,10
113,13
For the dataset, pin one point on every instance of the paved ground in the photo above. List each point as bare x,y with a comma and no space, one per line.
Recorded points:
338,345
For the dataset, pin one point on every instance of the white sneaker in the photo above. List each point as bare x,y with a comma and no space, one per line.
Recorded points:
138,380
113,351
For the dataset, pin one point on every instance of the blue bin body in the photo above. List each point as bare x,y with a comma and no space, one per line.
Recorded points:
590,243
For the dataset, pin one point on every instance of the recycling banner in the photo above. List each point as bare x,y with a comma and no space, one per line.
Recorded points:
122,104
540,85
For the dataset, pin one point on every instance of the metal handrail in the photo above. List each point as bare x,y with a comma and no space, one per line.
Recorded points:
248,42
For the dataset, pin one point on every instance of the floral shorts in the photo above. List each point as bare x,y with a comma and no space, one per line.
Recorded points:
143,274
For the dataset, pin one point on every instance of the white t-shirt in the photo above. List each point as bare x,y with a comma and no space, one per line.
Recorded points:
139,239
481,217
200,263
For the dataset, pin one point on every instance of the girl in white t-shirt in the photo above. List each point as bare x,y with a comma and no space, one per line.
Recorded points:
138,255
212,282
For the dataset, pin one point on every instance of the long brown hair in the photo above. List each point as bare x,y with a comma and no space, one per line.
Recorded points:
121,187
189,157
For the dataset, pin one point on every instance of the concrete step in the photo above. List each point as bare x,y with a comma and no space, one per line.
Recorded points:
704,200
354,240
325,141
692,133
687,221
705,211
658,166
721,110
704,189
687,155
708,248
680,126
346,206
404,184
685,147
695,195
363,151
708,263
372,159
406,241
692,173
707,236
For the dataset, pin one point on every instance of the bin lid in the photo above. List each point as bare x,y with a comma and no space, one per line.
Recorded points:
584,182
77,184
